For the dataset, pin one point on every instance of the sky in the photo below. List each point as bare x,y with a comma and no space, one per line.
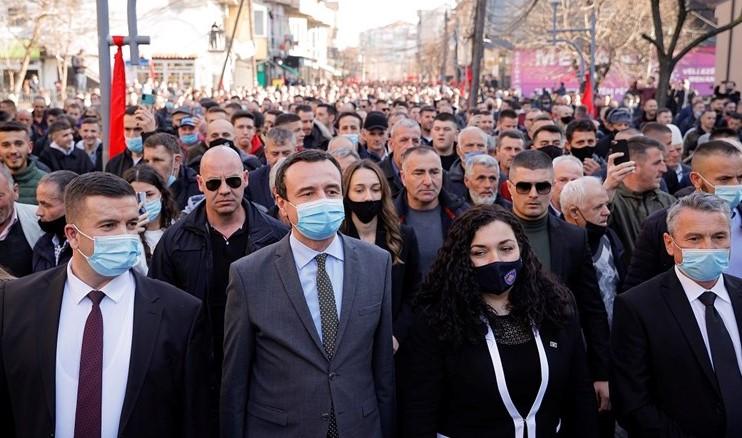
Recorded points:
356,16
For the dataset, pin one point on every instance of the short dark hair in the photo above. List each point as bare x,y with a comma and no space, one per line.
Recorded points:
428,109
330,108
168,140
309,156
274,112
548,128
348,114
216,109
447,117
89,121
655,127
61,178
54,112
417,150
509,133
722,132
400,103
639,145
531,159
59,125
664,109
131,109
735,116
242,115
8,102
234,106
577,126
93,184
13,127
286,118
713,147
507,114
303,108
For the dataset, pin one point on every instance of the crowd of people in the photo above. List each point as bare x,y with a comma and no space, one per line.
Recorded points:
369,261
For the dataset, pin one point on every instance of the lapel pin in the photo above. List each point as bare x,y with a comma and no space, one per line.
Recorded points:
553,344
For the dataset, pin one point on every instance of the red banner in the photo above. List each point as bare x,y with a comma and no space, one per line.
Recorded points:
116,140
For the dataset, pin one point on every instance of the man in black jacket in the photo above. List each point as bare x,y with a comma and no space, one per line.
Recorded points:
163,152
195,253
716,163
62,153
52,249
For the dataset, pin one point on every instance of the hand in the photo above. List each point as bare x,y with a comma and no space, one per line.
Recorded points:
395,344
145,119
590,167
616,172
602,394
142,223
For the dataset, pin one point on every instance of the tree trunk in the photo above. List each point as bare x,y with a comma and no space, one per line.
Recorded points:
33,42
666,66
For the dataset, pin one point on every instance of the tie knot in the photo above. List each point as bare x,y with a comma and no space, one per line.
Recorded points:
707,298
96,296
321,259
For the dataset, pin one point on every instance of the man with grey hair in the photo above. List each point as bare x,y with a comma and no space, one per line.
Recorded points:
404,135
279,143
482,179
19,230
471,141
345,156
566,168
676,338
584,203
52,249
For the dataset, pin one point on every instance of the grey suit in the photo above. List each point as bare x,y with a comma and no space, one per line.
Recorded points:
277,380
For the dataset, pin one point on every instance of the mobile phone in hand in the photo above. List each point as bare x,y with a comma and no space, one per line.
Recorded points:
623,147
141,199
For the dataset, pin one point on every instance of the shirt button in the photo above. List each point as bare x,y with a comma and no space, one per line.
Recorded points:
332,376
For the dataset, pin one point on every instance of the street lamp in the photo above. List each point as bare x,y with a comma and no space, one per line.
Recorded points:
590,30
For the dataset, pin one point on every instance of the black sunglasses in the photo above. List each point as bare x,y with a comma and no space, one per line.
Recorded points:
542,188
233,181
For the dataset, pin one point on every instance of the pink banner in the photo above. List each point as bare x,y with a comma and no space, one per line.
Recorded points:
535,69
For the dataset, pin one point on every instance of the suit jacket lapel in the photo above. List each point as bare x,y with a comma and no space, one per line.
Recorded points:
286,269
147,317
677,301
557,247
351,268
48,310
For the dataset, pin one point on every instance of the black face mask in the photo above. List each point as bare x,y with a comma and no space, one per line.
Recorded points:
582,153
222,142
54,227
594,231
365,210
552,151
497,277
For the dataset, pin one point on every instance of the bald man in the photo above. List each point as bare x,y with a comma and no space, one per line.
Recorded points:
195,253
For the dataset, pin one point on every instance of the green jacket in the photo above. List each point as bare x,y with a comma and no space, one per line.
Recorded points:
27,181
629,210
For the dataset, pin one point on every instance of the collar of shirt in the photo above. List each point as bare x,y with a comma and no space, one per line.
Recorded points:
693,290
13,219
113,290
304,254
61,149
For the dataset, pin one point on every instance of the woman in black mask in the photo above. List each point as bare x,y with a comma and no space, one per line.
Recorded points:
495,349
371,217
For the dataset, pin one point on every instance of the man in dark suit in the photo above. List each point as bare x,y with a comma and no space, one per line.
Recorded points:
308,326
62,153
94,324
564,249
715,164
279,143
676,338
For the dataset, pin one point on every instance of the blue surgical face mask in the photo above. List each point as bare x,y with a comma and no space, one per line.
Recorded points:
112,255
170,180
704,264
320,219
731,194
153,209
135,144
353,138
189,138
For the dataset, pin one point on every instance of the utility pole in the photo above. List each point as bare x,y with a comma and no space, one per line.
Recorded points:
444,61
477,50
456,72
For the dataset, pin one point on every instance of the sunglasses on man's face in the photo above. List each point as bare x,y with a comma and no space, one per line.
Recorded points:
542,187
233,181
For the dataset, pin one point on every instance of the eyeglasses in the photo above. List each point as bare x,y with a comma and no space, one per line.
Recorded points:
542,187
233,181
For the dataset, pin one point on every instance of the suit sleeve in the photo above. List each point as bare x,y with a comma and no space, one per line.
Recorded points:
581,419
409,288
646,259
7,427
196,397
421,381
593,316
630,382
239,348
383,358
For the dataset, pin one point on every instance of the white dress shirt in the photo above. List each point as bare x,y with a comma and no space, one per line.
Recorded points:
117,308
722,304
306,266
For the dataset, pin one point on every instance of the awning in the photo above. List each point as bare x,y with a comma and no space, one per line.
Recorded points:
293,71
15,50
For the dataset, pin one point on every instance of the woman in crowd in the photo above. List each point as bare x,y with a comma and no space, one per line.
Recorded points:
495,349
371,217
159,206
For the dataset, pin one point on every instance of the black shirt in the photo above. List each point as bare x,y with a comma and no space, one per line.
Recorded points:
448,160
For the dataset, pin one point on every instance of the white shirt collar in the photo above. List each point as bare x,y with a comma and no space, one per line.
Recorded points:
61,149
693,290
304,254
113,290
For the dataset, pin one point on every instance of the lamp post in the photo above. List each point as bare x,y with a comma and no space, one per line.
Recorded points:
590,30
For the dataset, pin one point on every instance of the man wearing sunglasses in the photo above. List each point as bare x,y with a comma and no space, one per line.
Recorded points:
563,249
195,253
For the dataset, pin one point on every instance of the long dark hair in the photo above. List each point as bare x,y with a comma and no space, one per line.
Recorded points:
452,302
387,218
